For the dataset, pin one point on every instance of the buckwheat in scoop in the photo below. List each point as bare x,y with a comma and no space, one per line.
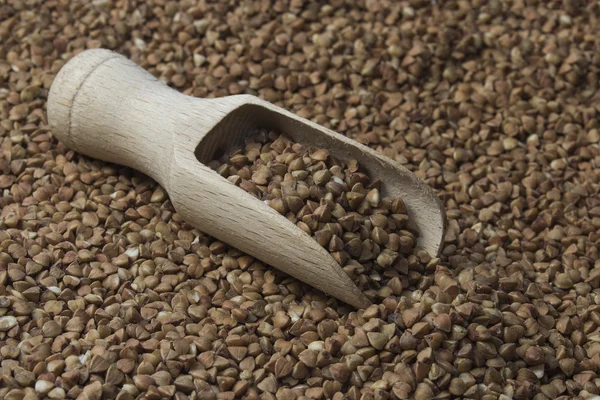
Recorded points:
335,201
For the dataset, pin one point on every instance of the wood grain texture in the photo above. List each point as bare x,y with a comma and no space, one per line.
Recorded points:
105,106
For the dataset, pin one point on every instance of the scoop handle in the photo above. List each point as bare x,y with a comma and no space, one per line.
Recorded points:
105,106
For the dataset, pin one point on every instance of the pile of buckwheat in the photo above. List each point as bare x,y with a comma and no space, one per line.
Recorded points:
106,293
332,200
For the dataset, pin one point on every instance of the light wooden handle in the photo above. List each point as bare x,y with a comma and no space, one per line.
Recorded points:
105,106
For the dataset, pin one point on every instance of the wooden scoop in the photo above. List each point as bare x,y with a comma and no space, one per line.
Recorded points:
105,106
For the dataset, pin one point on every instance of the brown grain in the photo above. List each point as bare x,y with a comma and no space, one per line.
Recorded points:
106,293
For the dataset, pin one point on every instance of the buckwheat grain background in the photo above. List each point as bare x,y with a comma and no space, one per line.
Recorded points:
105,292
